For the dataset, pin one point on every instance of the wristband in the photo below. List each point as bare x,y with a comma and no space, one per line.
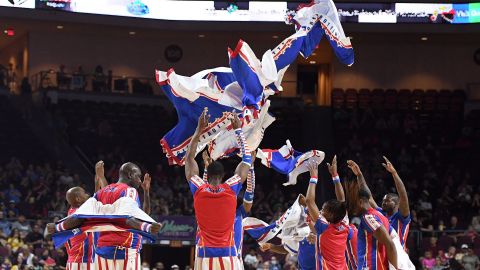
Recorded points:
336,179
248,197
244,149
145,227
59,227
313,180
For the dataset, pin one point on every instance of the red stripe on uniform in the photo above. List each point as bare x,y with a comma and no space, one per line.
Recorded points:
231,262
136,261
125,261
99,263
106,264
221,263
210,264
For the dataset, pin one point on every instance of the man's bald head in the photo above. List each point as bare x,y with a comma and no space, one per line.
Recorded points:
76,196
130,174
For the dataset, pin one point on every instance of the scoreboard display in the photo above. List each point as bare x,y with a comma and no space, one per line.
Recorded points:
260,11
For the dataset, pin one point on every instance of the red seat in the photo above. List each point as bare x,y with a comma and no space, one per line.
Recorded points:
363,98
404,99
377,99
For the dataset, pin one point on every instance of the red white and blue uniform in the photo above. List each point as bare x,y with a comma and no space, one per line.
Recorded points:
80,250
351,252
118,250
400,223
331,245
215,208
371,254
240,214
306,255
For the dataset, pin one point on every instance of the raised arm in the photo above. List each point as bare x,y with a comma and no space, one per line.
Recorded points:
206,161
361,180
384,238
100,180
249,192
244,166
403,205
146,193
332,168
311,205
191,166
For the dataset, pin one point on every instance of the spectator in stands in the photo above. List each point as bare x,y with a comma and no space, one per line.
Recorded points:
159,266
145,266
13,194
14,240
428,261
470,261
99,80
459,255
78,80
35,237
5,226
453,223
22,225
251,261
25,256
63,81
12,210
438,265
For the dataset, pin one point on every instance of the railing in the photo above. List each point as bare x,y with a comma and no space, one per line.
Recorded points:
52,80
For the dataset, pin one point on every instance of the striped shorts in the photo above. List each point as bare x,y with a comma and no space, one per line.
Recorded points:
218,263
80,266
132,261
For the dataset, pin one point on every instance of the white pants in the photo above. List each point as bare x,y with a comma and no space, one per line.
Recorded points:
218,263
132,261
80,266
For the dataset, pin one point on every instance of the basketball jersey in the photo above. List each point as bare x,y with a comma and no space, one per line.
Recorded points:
215,208
306,255
112,245
371,254
80,248
400,224
351,252
331,245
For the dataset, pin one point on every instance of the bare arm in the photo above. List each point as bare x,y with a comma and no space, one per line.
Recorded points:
67,224
273,248
250,191
191,166
100,180
244,166
146,193
361,180
332,168
136,224
402,191
312,206
384,238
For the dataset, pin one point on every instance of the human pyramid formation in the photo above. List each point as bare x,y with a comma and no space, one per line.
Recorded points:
107,230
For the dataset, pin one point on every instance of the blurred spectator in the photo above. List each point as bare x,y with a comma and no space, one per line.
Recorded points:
99,80
63,80
14,240
251,261
35,237
145,266
470,261
428,261
5,225
459,256
22,225
78,79
439,265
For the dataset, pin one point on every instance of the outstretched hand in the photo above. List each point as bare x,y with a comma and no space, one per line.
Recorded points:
312,167
332,168
100,168
51,228
388,166
207,160
203,120
354,167
236,123
155,227
146,182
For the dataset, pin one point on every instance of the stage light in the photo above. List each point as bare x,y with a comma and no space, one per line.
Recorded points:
201,36
275,36
59,27
424,38
131,33
312,62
